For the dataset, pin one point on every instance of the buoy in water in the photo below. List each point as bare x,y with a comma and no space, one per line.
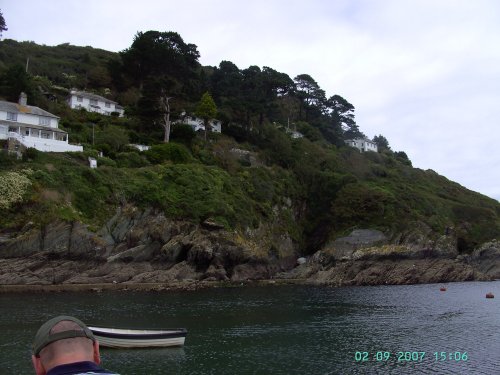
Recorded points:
490,295
442,289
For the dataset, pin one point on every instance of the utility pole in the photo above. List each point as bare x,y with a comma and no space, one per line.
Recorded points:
27,64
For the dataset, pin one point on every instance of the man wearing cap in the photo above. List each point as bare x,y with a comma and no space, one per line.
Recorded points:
65,346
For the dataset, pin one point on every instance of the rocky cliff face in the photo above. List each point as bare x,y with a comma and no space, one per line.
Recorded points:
143,246
368,257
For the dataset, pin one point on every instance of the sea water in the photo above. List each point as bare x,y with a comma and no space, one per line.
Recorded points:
415,329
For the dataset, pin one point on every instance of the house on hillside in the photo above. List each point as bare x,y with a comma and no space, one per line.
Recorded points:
94,103
295,134
25,126
362,144
197,123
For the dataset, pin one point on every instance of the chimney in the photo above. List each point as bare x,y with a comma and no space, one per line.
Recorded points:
23,99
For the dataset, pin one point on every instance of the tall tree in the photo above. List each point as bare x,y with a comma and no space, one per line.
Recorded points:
382,142
14,81
342,113
3,25
161,54
207,110
310,94
227,90
166,116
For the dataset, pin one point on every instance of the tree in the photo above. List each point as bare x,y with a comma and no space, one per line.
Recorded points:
155,54
207,110
382,142
342,113
310,94
226,84
3,26
14,81
166,116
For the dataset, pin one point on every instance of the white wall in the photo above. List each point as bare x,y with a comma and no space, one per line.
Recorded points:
363,145
4,131
46,145
27,118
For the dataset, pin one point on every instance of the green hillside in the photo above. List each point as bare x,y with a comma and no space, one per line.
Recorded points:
239,178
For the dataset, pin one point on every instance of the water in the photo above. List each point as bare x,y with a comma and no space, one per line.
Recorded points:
280,329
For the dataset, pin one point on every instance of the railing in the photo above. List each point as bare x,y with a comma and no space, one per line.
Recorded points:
43,144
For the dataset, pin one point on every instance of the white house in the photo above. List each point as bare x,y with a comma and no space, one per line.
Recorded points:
362,144
93,103
29,126
197,123
295,134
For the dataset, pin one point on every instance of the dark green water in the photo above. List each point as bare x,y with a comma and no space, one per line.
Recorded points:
280,329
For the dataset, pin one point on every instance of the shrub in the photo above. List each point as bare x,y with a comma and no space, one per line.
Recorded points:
183,134
30,154
131,160
361,204
13,186
174,152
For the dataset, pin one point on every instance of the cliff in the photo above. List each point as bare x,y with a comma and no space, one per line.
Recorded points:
143,246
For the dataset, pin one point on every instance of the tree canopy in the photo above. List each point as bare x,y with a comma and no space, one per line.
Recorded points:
161,64
3,26
207,110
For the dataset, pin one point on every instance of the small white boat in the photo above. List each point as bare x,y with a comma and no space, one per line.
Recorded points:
139,338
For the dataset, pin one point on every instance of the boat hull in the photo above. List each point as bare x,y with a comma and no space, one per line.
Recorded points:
121,338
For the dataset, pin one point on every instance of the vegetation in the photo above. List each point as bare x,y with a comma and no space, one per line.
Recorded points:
251,174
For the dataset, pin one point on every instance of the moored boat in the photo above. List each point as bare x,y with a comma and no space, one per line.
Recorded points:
139,338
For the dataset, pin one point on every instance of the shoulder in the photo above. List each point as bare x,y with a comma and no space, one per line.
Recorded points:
80,368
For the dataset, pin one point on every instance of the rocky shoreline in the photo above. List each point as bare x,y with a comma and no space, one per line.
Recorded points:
143,250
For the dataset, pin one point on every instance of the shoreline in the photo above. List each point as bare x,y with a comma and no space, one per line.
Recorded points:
141,287
179,286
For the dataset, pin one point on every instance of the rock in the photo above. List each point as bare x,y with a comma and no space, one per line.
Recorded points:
301,260
174,251
137,254
214,273
212,224
486,258
395,272
344,247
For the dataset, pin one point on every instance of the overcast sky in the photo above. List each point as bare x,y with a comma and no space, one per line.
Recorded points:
423,73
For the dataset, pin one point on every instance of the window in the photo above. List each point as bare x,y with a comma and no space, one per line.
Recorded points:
11,116
27,132
108,105
79,98
44,121
93,102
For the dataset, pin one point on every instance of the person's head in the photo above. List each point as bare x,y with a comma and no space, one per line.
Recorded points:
63,340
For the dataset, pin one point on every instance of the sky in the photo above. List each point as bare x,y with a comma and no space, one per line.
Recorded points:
425,74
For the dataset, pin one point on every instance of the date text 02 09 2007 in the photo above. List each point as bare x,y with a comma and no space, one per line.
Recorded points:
410,356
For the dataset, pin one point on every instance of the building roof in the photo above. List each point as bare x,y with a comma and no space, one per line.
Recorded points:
359,139
90,95
17,108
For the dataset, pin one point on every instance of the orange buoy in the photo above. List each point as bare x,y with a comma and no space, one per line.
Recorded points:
490,295
442,289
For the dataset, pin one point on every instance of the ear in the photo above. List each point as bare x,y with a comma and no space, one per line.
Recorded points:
38,365
97,355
